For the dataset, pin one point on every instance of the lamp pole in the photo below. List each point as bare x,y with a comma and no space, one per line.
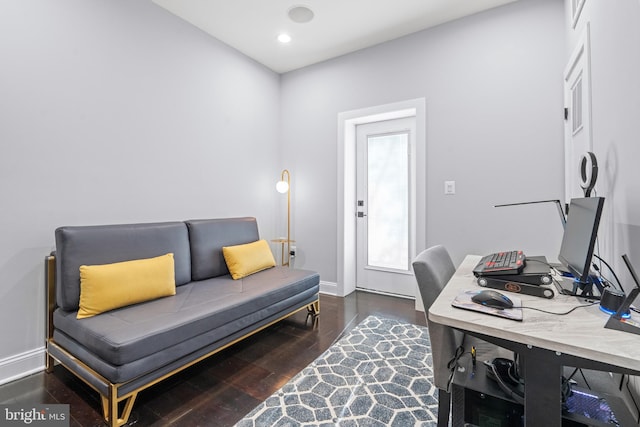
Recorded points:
284,186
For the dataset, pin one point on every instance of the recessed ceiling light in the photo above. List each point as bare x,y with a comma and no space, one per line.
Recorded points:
300,14
284,38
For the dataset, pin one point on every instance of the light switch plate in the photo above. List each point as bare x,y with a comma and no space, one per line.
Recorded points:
449,187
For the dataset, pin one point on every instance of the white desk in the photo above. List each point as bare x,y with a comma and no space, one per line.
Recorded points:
544,342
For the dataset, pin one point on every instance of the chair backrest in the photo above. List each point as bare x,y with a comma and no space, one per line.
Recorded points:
433,269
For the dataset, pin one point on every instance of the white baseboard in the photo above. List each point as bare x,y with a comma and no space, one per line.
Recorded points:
329,288
21,365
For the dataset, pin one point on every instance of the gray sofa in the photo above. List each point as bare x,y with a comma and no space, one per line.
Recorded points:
123,351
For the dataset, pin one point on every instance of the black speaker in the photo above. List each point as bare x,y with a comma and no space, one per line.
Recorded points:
611,300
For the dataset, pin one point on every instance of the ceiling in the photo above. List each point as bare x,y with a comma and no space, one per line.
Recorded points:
338,26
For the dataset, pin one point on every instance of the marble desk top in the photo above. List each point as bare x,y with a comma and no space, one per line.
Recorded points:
580,333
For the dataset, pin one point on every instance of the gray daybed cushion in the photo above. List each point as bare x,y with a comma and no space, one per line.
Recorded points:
208,236
131,333
140,371
106,244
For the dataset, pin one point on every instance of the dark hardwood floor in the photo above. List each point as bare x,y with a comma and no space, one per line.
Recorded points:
222,389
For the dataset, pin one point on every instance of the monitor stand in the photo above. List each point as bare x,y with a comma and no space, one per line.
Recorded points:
585,288
570,286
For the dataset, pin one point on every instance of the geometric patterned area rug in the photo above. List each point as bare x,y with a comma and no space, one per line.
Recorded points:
378,374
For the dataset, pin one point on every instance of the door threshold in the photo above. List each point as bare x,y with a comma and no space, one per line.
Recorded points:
389,294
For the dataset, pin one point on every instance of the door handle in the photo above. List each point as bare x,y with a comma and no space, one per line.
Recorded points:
361,214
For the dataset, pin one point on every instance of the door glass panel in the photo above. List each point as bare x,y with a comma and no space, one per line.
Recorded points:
388,197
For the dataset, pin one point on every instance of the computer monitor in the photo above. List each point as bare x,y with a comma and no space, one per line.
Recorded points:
579,238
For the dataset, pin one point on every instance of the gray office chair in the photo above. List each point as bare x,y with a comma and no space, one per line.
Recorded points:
433,269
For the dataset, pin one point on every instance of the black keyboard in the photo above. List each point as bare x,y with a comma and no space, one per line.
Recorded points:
500,263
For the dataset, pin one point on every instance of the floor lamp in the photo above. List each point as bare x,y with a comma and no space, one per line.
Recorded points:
284,186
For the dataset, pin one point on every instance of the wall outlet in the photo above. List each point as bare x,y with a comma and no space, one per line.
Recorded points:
449,187
292,251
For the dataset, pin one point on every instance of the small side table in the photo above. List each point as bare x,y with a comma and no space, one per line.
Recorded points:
282,242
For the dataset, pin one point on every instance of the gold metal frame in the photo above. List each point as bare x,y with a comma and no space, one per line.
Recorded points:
111,402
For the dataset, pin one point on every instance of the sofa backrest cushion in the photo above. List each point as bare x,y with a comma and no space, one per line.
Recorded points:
106,244
208,236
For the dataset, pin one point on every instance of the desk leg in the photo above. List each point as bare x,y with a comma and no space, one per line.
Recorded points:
457,407
444,407
543,388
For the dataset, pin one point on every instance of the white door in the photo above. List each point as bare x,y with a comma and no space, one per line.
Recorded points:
385,206
577,139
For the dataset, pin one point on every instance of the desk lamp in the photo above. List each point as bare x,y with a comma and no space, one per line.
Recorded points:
563,218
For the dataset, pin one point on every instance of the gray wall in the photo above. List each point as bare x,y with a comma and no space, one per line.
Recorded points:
615,67
116,111
493,89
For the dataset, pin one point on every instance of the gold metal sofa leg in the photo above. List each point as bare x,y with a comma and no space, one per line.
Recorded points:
313,311
315,306
110,407
49,364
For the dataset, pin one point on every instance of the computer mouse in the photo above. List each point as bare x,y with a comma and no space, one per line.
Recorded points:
493,299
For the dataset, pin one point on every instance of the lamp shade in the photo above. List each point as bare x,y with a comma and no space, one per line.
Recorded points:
282,186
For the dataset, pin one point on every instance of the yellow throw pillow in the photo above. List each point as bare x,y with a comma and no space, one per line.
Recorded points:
109,286
243,260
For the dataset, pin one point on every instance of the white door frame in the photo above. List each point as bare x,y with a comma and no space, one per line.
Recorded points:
580,62
346,191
